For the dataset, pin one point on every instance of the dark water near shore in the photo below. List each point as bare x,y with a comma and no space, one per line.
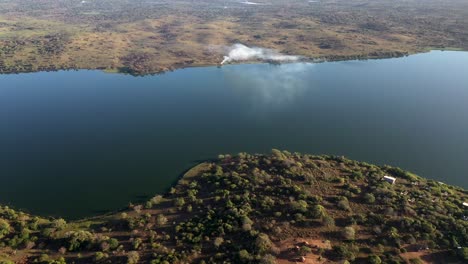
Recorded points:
75,143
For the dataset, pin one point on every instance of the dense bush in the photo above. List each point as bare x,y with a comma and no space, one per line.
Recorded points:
237,209
79,240
4,228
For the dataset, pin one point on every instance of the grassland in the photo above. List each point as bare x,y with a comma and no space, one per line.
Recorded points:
278,208
146,37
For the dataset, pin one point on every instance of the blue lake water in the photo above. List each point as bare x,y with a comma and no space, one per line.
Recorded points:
76,143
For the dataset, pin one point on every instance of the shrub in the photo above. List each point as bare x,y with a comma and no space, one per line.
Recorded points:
43,258
318,211
369,198
401,173
349,233
4,228
263,243
148,205
156,199
268,259
137,243
62,250
300,206
138,208
113,243
246,226
59,224
179,202
218,241
343,252
133,257
100,256
328,221
304,250
79,239
356,175
244,255
373,259
161,220
463,253
123,215
343,204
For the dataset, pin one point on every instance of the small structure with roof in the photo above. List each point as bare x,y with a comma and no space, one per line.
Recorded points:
389,179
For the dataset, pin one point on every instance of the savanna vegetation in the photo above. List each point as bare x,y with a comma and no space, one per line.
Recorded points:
151,36
274,208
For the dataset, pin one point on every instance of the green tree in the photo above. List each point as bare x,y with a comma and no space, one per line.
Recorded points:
79,239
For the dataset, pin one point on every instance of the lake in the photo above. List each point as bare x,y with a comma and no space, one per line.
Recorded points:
77,143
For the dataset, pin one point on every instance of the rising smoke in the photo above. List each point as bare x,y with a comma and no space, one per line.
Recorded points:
240,52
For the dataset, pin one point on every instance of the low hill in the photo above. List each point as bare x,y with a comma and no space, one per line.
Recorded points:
278,208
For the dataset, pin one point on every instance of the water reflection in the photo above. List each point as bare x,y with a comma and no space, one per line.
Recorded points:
269,86
98,140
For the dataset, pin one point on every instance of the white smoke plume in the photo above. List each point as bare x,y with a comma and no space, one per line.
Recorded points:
240,52
250,3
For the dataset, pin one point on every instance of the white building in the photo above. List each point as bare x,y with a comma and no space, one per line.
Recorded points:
389,179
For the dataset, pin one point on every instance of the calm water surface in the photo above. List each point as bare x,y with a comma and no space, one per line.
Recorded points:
75,143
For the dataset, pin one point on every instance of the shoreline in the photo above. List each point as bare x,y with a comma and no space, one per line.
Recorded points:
178,66
193,172
237,197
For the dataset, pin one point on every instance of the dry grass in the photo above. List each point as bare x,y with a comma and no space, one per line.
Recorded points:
150,38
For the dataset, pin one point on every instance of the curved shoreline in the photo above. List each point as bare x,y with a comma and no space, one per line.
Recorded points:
227,206
184,178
